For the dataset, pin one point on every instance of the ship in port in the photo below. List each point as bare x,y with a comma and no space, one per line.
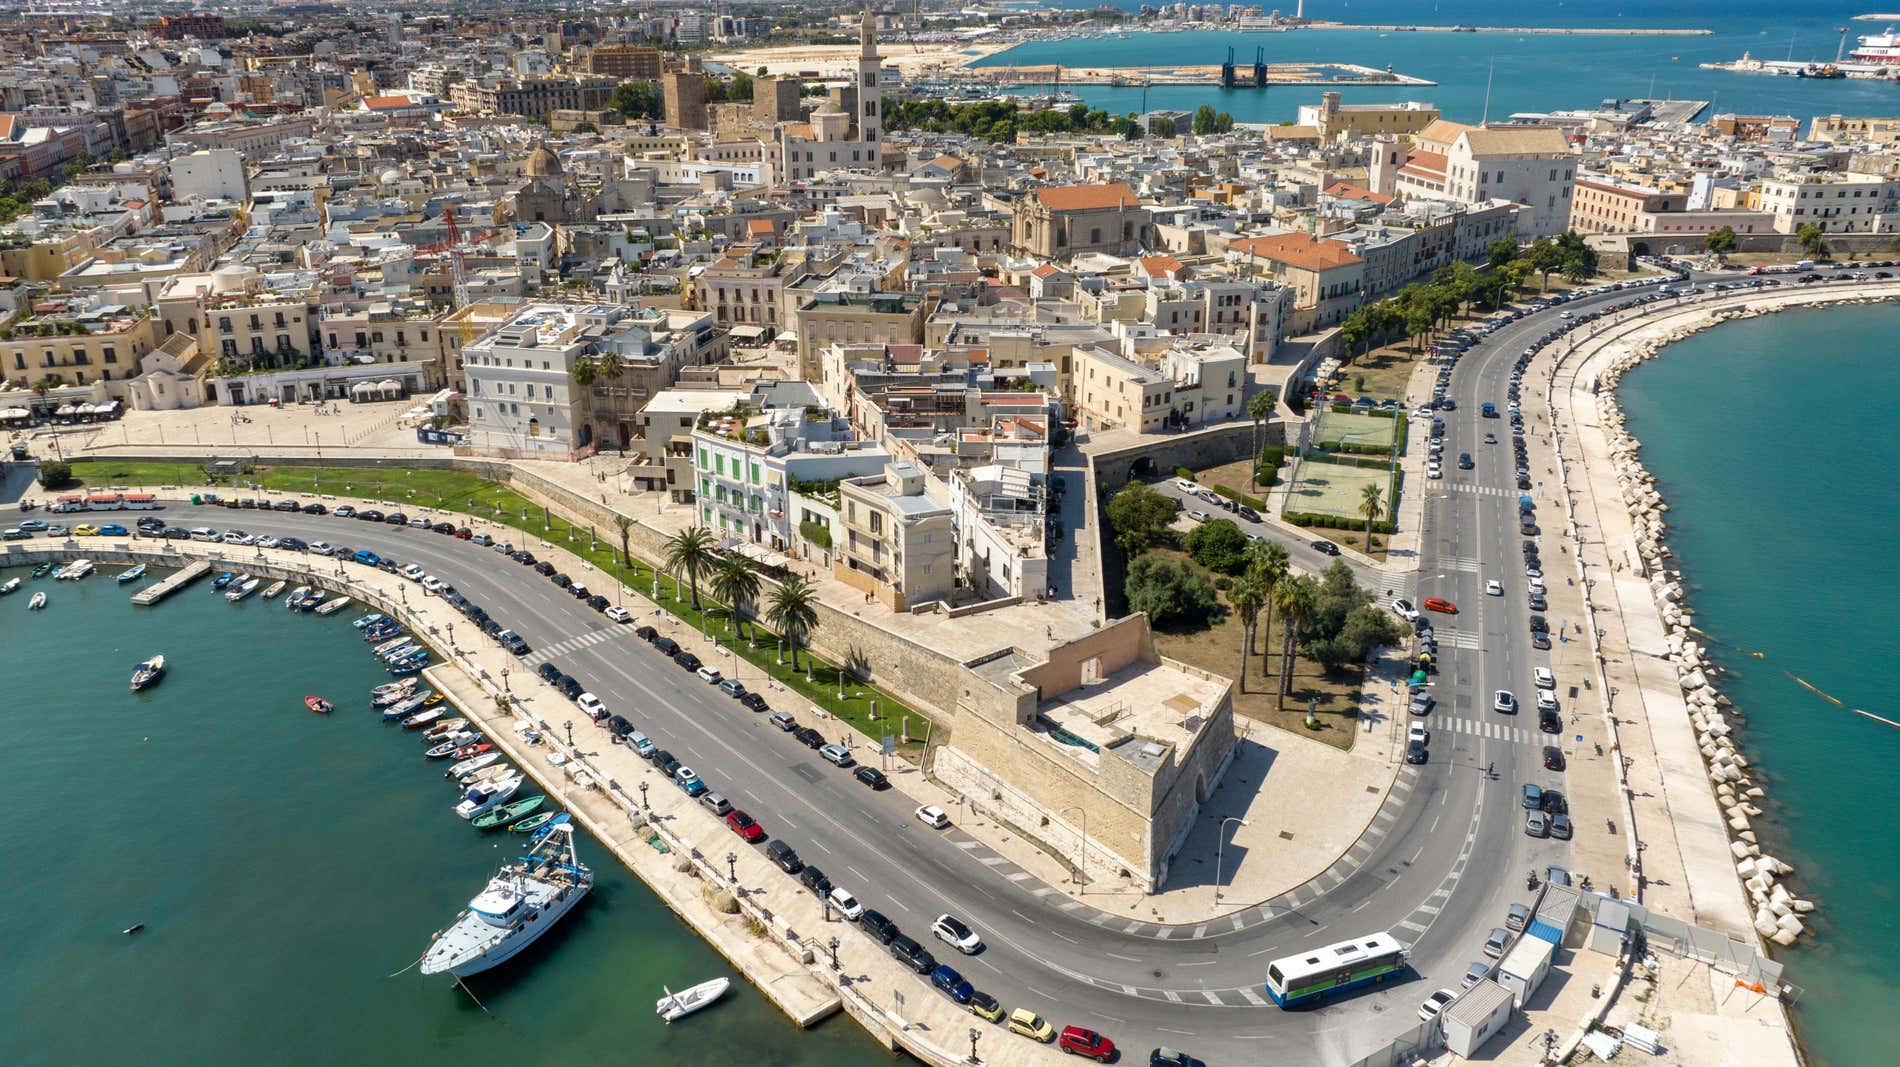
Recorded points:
523,901
1882,48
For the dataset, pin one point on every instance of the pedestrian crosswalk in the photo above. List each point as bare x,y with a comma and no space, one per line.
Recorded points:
1467,564
1459,639
573,644
1496,731
1480,490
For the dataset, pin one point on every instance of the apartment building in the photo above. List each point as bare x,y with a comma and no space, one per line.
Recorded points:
1835,201
77,342
626,62
534,97
1326,278
829,317
1333,121
1531,166
1112,391
749,463
238,320
898,544
522,397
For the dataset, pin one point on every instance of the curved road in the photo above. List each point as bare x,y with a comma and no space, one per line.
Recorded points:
1443,858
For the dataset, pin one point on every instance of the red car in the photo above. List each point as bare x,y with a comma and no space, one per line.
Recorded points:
742,824
1439,603
1079,1042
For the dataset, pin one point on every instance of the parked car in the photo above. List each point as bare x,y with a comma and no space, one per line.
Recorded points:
1435,1004
879,927
1030,1025
745,826
932,816
1494,943
871,777
708,675
836,755
783,721
951,931
953,985
786,857
911,954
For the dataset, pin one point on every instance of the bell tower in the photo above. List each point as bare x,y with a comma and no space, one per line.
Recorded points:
870,116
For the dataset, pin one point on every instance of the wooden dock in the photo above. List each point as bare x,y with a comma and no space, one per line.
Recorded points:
158,591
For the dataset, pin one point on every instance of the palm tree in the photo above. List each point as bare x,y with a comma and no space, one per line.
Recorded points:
1267,566
734,583
793,612
586,371
624,523
1260,407
690,552
1371,506
1295,601
1246,598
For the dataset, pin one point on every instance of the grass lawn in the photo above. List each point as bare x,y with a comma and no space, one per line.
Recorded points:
466,493
1232,475
1217,648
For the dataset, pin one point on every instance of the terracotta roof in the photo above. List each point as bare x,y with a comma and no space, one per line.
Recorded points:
1349,191
948,162
1161,266
1442,131
759,226
1047,270
802,130
1298,250
1520,141
374,102
7,127
1088,197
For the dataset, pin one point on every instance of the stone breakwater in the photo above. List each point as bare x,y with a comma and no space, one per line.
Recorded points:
1778,911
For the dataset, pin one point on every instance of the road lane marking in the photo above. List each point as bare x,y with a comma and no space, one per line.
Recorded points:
1252,997
1119,956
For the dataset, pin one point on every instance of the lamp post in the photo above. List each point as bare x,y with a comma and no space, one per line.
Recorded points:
974,1034
504,681
1081,865
732,872
643,796
833,945
569,726
1220,848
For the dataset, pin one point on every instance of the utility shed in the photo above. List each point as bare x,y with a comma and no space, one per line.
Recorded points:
1475,1017
1523,968
1609,931
1555,914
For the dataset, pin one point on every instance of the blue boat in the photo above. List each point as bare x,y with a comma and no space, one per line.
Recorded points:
132,575
310,602
402,652
222,580
412,666
381,632
368,620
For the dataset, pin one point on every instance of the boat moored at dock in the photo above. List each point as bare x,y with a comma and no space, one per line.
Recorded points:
132,575
521,902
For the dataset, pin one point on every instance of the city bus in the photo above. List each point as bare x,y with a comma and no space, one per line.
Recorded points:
1316,974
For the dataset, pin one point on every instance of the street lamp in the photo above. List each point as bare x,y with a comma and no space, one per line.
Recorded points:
833,943
974,1034
569,724
1080,867
504,681
1220,847
643,796
732,873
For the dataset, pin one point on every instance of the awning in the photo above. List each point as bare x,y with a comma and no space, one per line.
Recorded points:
15,413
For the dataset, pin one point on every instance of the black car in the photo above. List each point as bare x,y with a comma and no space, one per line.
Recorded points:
912,955
1416,752
560,580
879,927
1554,802
597,602
809,737
754,702
443,527
248,503
287,505
668,764
179,533
667,646
525,557
871,777
1538,603
513,642
370,515
1553,758
570,688
645,633
1169,1057
544,567
489,626
314,508
1539,625
1540,641
1550,723
396,518
687,660
787,859
1327,547
815,880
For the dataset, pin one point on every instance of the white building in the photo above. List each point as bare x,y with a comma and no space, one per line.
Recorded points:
1532,167
210,174
749,462
522,397
1835,201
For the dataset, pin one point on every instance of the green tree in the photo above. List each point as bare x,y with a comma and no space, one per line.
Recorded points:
1546,256
1220,546
1139,517
1418,323
1813,240
55,473
1246,599
1371,505
793,612
734,582
586,371
1294,598
739,88
1204,120
690,553
624,523
637,100
1722,241
1260,409
1267,566
1169,590
1500,251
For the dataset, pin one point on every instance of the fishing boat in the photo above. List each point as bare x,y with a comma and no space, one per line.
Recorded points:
421,718
132,575
524,900
445,729
239,592
486,796
413,666
391,689
494,772
400,652
276,587
295,597
41,571
676,1006
38,602
507,813
223,579
403,709
390,645
434,699
471,765
391,699
331,607
468,749
76,570
10,586
452,746
532,823
382,631
318,705
148,673
368,620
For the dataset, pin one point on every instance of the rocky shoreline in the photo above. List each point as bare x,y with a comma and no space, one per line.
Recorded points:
1780,914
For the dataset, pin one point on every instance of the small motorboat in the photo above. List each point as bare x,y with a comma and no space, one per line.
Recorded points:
390,645
469,749
295,597
38,602
675,1006
393,687
239,592
331,607
41,571
401,652
310,601
470,765
276,587
382,631
318,705
452,747
369,620
409,667
532,823
148,673
421,718
491,773
76,570
403,709
223,579
507,813
132,575
486,796
10,586
434,699
444,730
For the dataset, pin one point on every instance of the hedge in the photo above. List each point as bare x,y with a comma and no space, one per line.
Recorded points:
1184,474
1356,448
1237,497
1336,522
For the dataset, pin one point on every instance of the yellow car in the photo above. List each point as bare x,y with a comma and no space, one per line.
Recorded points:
85,529
985,1006
1029,1024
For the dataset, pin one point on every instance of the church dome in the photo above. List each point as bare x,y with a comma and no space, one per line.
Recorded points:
542,163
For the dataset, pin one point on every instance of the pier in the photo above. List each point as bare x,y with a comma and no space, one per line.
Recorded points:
158,591
1256,75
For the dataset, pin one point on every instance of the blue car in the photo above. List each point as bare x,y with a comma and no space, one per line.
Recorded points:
368,558
112,529
953,984
689,781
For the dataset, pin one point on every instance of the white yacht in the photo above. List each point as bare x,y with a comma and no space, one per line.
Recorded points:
523,901
76,570
485,795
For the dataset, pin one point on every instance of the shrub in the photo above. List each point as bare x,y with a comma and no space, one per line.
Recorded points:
1219,546
1239,497
816,532
1169,589
54,474
1336,522
1223,583
1184,474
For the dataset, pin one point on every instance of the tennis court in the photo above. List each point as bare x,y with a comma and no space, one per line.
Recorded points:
1336,488
1333,428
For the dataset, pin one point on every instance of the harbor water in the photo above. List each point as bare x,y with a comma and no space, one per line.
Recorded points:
287,865
1779,475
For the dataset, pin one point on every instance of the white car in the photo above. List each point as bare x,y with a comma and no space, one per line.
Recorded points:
237,537
708,675
1198,515
1546,700
1494,588
418,523
618,614
322,548
1187,487
413,573
432,584
846,904
1405,609
951,931
1537,587
267,542
1545,679
1418,734
932,816
1505,701
591,704
1531,571
1435,1004
1434,471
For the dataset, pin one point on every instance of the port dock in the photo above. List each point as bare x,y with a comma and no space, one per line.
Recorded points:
158,591
1256,75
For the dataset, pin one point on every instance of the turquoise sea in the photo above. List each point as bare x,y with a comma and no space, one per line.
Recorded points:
1499,74
1778,459
285,864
